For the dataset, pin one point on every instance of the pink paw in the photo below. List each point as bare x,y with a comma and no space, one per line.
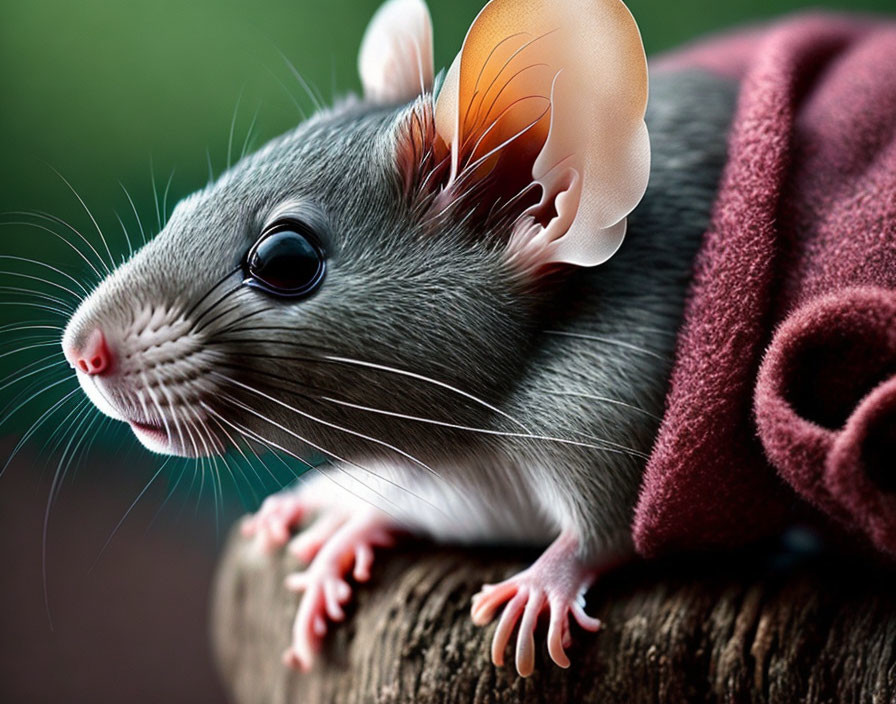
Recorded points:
556,582
272,525
345,546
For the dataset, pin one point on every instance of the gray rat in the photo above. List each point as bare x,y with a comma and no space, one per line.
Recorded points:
409,284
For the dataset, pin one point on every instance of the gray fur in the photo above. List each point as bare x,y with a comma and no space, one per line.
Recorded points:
441,305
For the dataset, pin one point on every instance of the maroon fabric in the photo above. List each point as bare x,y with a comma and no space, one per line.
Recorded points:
784,385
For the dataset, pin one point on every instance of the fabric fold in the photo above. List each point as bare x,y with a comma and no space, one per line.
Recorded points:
782,385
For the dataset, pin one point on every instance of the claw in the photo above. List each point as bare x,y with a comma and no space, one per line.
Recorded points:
556,582
340,546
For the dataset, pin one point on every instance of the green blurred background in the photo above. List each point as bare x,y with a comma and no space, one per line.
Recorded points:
108,92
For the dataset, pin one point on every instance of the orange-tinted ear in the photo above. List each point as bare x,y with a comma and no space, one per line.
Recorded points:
395,61
552,92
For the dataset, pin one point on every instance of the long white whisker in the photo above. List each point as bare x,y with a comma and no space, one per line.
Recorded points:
236,111
11,413
243,455
92,219
606,399
335,426
328,454
165,196
613,446
50,343
174,414
44,417
435,382
605,340
58,477
315,100
128,512
60,221
134,210
270,443
158,406
28,304
40,279
126,234
65,305
47,266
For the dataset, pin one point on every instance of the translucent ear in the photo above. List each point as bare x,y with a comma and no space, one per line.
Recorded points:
395,61
558,88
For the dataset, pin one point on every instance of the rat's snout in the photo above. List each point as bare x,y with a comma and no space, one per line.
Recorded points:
92,357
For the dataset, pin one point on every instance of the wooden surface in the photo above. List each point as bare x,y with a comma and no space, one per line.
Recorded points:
742,629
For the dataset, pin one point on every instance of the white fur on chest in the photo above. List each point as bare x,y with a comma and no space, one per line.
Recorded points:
473,500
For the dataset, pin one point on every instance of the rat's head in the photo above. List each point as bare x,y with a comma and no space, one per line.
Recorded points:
388,257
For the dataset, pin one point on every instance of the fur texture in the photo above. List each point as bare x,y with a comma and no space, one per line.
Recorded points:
544,398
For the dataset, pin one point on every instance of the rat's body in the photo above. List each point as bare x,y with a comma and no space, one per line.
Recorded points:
594,367
457,398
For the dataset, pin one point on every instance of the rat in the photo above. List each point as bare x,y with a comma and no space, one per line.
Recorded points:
459,288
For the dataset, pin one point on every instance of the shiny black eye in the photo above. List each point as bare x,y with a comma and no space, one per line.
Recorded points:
286,261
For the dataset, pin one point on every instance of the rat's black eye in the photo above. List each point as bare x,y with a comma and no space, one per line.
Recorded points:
286,261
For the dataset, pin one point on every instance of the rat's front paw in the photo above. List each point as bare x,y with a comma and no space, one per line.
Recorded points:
341,546
273,523
556,582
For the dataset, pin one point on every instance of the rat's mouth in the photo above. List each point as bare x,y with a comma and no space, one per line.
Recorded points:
152,435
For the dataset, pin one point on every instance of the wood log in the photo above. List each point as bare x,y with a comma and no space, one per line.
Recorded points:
743,628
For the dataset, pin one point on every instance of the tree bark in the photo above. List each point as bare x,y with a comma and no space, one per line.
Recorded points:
712,629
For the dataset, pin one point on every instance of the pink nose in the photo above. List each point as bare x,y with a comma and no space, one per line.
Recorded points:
94,357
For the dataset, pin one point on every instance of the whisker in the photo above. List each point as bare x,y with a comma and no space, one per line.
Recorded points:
16,327
165,196
42,280
435,382
613,446
606,399
158,407
235,444
38,294
205,296
270,443
58,477
127,236
92,219
49,217
171,490
289,93
29,347
316,101
36,262
134,210
249,133
28,304
332,455
607,341
128,512
236,110
38,226
335,426
155,193
236,289
44,417
57,437
211,171
174,416
19,377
